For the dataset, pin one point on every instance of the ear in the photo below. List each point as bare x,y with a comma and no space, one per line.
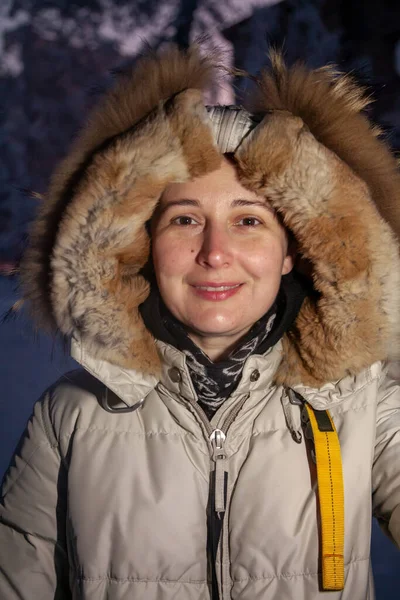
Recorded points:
287,264
291,253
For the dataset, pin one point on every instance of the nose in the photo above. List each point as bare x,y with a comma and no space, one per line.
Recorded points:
216,247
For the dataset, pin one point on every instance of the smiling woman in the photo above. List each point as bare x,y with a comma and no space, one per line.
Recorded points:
236,424
219,253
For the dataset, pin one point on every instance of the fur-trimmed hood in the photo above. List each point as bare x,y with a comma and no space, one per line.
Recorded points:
315,157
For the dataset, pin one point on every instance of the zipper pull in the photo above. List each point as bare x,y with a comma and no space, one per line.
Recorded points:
217,439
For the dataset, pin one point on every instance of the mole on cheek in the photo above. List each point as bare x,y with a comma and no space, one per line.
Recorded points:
192,251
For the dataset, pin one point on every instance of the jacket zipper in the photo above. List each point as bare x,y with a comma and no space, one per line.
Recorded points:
217,439
219,484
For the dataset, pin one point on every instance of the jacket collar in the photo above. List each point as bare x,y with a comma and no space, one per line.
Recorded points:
129,385
132,386
258,371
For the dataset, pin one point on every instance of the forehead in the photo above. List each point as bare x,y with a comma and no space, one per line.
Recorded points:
219,186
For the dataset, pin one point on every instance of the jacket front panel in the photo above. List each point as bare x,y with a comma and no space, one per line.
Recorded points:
274,506
138,491
148,491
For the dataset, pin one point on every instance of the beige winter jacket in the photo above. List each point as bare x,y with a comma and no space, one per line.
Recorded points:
106,504
112,495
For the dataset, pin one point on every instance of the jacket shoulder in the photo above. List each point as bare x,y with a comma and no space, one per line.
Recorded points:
76,395
344,392
76,385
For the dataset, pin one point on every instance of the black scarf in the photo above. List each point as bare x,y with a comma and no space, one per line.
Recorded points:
215,382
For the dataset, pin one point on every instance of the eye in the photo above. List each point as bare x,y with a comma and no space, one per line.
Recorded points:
183,221
249,222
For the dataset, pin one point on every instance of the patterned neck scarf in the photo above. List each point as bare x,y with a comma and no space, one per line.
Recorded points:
215,382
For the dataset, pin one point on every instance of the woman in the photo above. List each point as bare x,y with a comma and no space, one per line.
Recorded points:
230,282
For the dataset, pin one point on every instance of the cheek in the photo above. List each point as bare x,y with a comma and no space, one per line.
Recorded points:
171,258
266,261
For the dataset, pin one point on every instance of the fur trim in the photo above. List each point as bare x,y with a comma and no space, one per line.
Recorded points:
154,78
354,319
315,157
331,105
91,193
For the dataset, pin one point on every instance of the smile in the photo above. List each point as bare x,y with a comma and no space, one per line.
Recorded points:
216,293
220,288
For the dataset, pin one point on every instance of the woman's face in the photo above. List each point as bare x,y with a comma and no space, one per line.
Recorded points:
219,253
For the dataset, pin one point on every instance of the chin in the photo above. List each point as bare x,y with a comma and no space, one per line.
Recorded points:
212,328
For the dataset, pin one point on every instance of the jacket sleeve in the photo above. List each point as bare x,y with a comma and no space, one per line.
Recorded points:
386,464
33,555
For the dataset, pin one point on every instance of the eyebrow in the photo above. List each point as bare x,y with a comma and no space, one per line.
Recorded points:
235,203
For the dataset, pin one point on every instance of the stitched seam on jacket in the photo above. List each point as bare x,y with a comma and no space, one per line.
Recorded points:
51,437
27,462
50,431
343,411
337,410
348,395
386,400
267,431
136,580
35,535
138,433
95,375
291,575
45,444
334,411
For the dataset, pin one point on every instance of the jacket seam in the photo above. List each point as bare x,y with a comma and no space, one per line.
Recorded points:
137,580
92,372
122,431
50,432
343,410
27,462
267,431
343,397
336,412
51,437
24,532
386,400
291,575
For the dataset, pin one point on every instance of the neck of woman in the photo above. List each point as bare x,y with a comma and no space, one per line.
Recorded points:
217,347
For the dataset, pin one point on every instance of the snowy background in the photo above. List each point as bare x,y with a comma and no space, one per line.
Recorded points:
56,57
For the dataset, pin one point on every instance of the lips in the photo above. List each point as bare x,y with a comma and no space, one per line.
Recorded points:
217,288
214,291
